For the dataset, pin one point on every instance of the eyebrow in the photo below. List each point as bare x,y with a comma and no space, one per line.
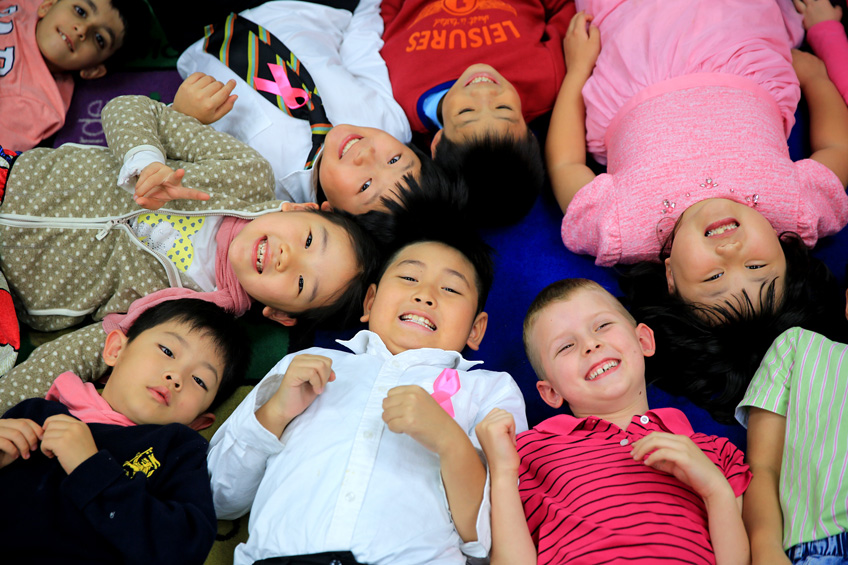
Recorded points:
325,236
417,263
185,344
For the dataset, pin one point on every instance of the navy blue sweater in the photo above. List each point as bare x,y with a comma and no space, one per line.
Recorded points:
143,498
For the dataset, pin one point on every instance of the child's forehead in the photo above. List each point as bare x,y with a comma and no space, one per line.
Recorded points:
435,256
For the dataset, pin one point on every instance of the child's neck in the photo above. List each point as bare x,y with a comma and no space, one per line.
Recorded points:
621,416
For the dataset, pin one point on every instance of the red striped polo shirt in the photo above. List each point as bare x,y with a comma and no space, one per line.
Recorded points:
588,502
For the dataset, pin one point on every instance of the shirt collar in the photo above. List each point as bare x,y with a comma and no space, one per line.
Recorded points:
370,343
671,420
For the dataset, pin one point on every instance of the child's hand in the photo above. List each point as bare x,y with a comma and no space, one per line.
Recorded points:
679,456
158,184
18,438
306,377
581,46
67,439
816,11
807,66
297,206
412,411
496,434
201,96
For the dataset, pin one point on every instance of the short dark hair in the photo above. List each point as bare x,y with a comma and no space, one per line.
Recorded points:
710,354
504,175
425,218
137,19
347,307
209,319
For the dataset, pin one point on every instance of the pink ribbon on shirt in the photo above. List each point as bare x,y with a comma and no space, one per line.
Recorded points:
446,385
282,87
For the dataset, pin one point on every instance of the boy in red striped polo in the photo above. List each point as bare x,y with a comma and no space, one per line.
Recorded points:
615,482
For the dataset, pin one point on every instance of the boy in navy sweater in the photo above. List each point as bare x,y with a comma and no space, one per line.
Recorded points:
121,477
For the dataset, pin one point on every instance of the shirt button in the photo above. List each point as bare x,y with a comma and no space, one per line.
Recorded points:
644,419
335,562
368,435
349,497
624,442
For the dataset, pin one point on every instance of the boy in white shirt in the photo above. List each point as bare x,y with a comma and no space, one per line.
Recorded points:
371,456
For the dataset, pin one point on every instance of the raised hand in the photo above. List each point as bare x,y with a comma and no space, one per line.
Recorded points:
201,96
496,434
158,184
581,45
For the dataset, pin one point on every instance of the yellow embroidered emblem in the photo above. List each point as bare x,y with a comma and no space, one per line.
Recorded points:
177,229
143,462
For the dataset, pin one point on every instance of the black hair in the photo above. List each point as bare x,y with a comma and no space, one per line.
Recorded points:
710,353
347,306
504,174
138,20
438,215
209,319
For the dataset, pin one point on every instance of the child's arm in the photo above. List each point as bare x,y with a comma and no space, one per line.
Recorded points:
241,447
826,36
511,541
678,455
828,114
565,150
762,512
412,411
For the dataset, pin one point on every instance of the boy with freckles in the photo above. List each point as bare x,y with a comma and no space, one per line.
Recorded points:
616,481
370,456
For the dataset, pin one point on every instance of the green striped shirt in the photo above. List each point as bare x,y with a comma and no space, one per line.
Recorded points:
804,377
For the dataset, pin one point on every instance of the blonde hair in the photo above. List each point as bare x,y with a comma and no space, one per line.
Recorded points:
560,291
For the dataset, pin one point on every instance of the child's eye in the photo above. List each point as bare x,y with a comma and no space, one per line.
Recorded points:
300,284
200,382
308,240
449,289
714,277
565,347
80,11
166,351
406,278
365,186
503,107
752,267
605,324
394,159
464,110
101,42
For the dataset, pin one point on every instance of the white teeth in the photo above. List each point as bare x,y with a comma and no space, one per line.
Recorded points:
348,145
420,320
260,255
482,79
602,369
721,229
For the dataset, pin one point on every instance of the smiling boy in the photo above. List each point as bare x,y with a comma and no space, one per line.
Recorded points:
121,477
379,441
42,44
615,480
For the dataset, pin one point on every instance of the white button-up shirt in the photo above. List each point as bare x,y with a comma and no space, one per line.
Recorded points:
338,479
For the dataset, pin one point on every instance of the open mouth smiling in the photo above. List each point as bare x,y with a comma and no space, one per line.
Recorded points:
261,249
602,368
722,227
67,40
419,320
349,142
481,77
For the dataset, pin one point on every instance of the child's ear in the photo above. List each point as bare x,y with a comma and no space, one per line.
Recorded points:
368,303
278,316
203,421
45,7
646,340
326,206
90,73
436,140
478,330
669,277
115,342
548,394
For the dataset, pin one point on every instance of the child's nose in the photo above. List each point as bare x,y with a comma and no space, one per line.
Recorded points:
592,347
175,380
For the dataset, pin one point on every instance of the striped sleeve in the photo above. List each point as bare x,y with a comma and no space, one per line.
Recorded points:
770,387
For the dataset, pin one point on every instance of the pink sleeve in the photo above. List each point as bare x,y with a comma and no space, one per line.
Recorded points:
591,224
829,42
24,122
823,206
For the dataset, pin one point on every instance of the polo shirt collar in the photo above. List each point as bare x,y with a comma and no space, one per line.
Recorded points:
370,343
670,419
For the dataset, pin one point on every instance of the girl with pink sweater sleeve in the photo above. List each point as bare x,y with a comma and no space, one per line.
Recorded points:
826,36
689,105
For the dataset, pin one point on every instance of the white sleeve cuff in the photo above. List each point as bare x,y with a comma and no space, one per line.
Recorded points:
135,161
